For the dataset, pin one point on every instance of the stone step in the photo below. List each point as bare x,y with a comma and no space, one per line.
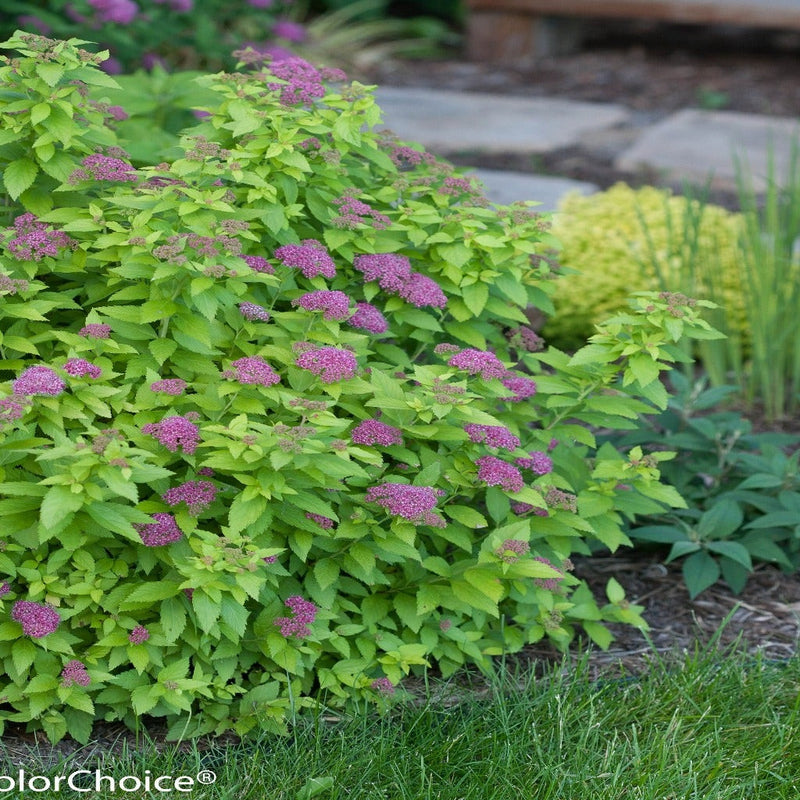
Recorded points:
505,187
456,122
697,145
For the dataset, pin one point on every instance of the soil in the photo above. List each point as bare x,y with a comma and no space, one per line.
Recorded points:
653,70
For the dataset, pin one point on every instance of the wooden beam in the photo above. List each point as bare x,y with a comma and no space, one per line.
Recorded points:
746,13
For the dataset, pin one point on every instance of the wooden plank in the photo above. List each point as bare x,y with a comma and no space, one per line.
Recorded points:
747,13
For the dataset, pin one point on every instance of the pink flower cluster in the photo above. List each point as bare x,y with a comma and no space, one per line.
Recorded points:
329,363
13,285
548,583
415,503
522,388
38,380
104,168
175,432
253,370
368,318
120,12
139,635
310,257
555,498
75,674
478,362
171,386
539,462
511,550
335,305
305,612
394,275
198,495
492,435
78,367
526,508
354,212
383,685
163,531
373,431
496,472
291,31
259,264
302,82
37,619
13,407
323,522
95,330
254,311
35,240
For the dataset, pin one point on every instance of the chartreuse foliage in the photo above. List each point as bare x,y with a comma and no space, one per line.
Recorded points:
626,239
179,609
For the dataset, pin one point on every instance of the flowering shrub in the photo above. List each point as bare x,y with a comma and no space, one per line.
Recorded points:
410,486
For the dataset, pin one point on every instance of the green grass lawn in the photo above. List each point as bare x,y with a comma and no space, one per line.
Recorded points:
702,726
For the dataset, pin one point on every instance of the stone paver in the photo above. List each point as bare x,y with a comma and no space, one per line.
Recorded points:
448,122
507,187
695,145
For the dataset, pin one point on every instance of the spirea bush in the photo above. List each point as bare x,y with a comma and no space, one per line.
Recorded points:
625,240
269,430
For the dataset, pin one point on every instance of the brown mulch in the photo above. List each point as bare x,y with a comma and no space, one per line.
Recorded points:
764,618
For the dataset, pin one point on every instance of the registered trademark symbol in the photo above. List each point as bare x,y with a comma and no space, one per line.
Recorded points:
206,777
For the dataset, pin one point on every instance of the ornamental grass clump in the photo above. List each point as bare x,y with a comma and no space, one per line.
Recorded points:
204,469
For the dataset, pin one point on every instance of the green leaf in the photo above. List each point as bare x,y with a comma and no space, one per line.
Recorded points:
51,73
205,609
39,113
497,504
58,502
148,593
466,516
475,297
681,549
326,572
643,368
314,787
18,176
721,520
162,349
700,571
598,633
614,591
23,654
732,550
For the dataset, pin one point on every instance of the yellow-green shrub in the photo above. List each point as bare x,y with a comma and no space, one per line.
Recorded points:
625,240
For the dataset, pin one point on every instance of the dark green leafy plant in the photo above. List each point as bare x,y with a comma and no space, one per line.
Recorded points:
742,489
272,423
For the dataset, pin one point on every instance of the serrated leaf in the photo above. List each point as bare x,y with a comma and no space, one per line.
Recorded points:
56,504
326,572
475,297
23,654
466,516
149,593
19,176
